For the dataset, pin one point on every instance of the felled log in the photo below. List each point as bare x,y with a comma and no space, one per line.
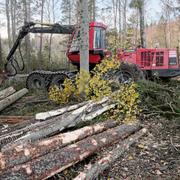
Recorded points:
69,119
17,132
14,119
23,153
12,98
57,112
93,170
6,92
52,163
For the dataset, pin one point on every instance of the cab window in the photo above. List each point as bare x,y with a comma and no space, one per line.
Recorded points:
99,38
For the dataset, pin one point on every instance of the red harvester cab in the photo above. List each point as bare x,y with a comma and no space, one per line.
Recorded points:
97,45
158,62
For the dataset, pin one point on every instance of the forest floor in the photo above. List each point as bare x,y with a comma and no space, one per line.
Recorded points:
154,156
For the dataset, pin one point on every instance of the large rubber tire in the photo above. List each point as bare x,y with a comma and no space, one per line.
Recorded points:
36,81
126,73
58,80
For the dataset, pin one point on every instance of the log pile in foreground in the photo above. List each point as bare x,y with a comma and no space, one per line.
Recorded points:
43,129
93,170
38,151
56,161
7,92
9,96
16,154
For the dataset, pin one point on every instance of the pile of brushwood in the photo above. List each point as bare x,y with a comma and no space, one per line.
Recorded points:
160,98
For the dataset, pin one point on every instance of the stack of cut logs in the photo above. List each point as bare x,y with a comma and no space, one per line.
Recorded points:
9,96
39,149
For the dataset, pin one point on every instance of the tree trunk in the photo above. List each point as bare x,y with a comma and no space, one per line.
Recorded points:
12,98
120,21
142,25
7,92
13,19
1,56
93,170
27,38
40,58
124,21
57,161
13,157
84,34
8,23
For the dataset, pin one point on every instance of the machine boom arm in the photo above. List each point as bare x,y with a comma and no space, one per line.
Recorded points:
31,27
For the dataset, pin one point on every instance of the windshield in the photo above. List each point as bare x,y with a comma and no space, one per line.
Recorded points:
99,38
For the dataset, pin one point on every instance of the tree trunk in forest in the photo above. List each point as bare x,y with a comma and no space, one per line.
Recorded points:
142,25
124,21
13,157
8,23
27,38
84,37
1,56
6,92
12,98
120,21
57,161
13,19
40,58
93,170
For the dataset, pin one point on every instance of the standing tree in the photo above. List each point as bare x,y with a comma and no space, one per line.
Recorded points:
84,47
26,8
92,10
41,36
1,58
8,22
84,34
139,4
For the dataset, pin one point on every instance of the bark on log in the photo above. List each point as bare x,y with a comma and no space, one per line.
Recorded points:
59,123
52,163
14,119
93,170
12,98
17,154
57,112
6,92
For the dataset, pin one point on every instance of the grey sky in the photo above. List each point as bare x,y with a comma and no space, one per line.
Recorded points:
153,11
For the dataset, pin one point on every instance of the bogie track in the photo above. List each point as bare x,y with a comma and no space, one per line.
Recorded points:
40,80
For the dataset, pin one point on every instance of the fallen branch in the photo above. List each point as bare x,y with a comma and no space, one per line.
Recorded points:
6,92
52,163
12,98
25,152
93,170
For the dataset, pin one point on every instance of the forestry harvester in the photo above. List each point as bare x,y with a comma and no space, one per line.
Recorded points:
136,64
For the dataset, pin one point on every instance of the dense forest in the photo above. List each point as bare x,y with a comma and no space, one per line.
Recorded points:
122,17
